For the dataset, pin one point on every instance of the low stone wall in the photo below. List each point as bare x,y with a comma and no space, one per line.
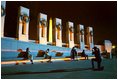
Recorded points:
9,47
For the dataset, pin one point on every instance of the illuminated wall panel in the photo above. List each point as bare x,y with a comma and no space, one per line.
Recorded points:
90,42
50,30
57,32
70,33
3,8
80,36
23,26
42,28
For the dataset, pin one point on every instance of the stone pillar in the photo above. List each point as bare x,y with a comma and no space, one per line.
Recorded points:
50,31
57,32
80,36
3,8
23,25
90,42
42,28
70,29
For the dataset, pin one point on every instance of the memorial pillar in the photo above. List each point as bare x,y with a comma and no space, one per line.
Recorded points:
3,8
23,25
57,32
70,29
90,42
80,36
42,28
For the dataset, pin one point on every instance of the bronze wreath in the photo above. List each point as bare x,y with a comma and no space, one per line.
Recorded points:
91,33
82,31
43,22
25,18
58,26
2,11
71,29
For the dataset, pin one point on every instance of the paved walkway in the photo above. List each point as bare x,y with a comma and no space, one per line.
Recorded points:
60,69
36,60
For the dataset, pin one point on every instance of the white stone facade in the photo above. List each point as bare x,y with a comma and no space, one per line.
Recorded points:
23,25
42,27
3,8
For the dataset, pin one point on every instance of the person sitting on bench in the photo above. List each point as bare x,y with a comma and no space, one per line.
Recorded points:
47,56
84,55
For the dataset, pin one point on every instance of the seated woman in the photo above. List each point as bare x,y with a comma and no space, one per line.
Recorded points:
47,56
84,55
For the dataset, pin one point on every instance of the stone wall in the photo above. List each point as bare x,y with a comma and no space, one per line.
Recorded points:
9,47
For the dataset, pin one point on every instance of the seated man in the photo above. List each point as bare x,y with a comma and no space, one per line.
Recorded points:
47,56
84,55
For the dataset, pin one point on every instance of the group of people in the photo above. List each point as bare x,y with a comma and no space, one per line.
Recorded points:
29,56
74,54
95,52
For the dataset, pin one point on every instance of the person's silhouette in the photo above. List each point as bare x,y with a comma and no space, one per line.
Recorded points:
73,53
47,56
84,55
96,52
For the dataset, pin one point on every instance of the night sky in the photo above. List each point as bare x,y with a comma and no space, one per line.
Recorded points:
101,15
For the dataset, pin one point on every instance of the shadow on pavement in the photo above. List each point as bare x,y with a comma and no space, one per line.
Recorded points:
51,71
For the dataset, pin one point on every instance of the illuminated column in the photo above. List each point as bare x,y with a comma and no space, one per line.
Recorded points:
3,7
50,30
42,27
70,27
80,36
57,32
108,47
23,25
90,37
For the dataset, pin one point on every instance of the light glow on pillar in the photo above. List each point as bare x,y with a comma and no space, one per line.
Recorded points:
113,46
50,30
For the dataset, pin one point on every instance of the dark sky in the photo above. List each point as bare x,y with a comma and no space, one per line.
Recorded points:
101,15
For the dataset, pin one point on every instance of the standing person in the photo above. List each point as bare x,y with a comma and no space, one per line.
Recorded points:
29,55
47,56
73,53
31,58
96,52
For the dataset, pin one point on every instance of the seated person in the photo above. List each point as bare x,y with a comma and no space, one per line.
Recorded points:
47,56
84,55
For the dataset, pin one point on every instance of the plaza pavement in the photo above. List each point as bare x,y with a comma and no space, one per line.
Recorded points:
59,69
